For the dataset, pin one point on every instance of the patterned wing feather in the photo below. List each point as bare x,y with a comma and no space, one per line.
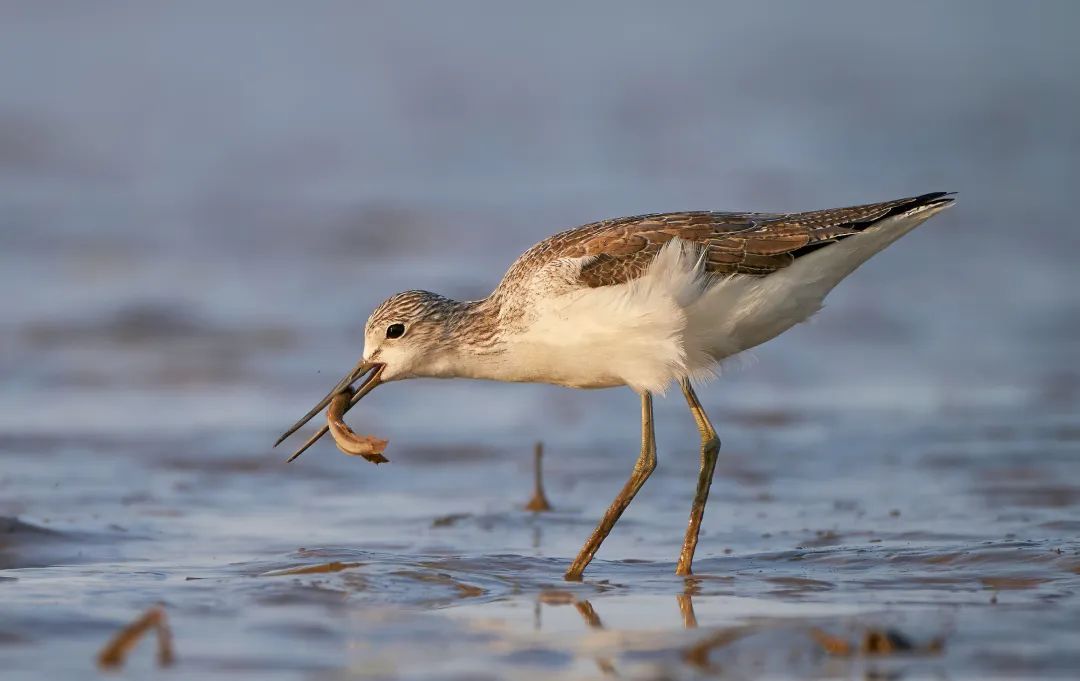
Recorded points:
734,243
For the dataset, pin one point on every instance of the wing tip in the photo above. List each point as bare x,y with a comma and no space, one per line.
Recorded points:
917,203
932,199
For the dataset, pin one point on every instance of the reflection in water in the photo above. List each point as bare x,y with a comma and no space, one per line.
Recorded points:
796,641
588,613
699,654
691,586
591,617
686,607
537,538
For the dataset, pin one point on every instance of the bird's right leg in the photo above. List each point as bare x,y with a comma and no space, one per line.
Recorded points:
644,467
710,448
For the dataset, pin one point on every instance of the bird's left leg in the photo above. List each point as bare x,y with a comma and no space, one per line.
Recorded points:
710,448
644,467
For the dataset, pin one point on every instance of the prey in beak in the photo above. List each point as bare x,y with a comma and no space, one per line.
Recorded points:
344,387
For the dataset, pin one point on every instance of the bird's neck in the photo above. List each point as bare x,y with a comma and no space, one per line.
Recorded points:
472,344
484,341
473,325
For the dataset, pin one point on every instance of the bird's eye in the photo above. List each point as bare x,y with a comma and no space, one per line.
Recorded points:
395,331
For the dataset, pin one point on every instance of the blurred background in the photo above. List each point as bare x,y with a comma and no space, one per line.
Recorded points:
200,203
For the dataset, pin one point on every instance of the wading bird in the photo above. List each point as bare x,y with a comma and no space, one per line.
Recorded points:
642,302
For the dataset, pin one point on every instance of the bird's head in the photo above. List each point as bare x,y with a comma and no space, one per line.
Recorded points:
407,336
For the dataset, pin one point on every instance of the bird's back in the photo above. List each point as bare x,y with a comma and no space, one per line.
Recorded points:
755,244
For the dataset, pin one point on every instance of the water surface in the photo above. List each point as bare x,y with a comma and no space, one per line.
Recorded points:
198,215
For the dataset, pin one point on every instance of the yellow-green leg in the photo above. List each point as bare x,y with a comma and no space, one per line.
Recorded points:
710,447
644,467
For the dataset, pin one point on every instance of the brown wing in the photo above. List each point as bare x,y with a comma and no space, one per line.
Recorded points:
734,243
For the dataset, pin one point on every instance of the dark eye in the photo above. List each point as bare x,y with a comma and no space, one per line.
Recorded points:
395,331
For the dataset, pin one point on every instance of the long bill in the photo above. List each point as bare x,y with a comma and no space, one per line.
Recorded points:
355,374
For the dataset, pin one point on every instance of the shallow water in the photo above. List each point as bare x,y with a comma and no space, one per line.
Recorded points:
429,566
188,263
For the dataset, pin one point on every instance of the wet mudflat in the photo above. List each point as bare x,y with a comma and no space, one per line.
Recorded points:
956,533
197,215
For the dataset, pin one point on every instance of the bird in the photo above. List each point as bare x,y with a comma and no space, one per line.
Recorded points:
646,302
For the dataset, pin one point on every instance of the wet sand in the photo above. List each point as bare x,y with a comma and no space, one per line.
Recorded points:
329,566
898,491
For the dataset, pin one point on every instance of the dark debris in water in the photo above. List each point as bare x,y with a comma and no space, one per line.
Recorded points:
116,651
318,568
875,641
449,519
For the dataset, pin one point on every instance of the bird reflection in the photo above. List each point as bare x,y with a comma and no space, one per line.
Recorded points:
684,601
686,608
588,613
701,652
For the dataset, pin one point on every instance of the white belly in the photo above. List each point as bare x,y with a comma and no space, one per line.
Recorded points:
670,324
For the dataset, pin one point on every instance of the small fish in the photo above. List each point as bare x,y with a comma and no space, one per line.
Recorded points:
371,448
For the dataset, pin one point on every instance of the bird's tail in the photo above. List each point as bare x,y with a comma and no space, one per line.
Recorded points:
837,260
752,310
